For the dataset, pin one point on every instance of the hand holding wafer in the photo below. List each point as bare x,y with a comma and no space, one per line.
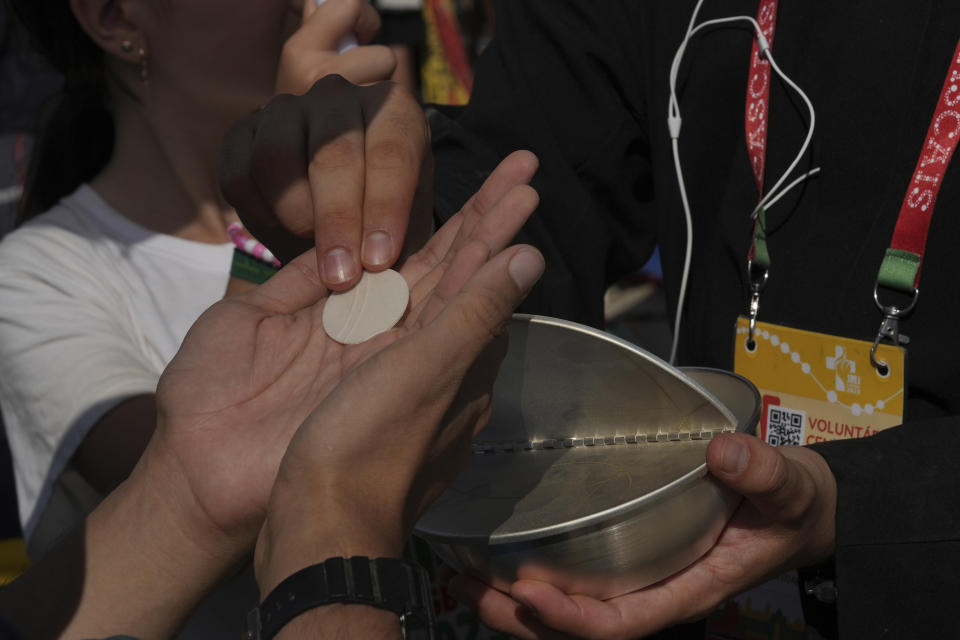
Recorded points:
256,365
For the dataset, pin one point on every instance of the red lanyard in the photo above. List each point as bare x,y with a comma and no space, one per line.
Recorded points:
900,268
756,125
901,264
758,94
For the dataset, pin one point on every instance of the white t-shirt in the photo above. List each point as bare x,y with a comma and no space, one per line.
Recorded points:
92,308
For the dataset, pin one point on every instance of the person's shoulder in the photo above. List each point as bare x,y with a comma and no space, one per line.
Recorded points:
58,254
65,233
64,219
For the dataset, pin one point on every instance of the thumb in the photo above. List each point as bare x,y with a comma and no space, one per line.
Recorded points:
778,486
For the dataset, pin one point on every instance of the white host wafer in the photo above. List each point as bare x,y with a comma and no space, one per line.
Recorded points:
371,307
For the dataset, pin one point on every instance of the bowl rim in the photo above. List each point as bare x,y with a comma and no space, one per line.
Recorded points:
625,510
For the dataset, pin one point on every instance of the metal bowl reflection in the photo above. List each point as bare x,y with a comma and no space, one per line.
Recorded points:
591,474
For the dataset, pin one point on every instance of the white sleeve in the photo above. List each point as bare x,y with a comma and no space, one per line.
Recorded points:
68,353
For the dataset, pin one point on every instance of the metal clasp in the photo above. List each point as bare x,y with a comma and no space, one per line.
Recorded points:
889,328
757,282
253,628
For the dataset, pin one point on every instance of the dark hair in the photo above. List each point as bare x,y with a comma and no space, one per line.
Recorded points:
75,138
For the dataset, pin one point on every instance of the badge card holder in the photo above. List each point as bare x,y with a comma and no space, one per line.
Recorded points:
817,387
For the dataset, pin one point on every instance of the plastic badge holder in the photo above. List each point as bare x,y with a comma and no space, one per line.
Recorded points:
591,474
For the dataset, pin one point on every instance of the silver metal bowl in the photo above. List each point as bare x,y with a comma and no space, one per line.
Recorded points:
591,474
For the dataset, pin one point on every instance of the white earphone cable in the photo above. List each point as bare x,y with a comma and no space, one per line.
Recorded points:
789,187
674,122
687,254
773,192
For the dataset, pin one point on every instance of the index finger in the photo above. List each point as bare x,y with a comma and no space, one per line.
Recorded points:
396,153
336,177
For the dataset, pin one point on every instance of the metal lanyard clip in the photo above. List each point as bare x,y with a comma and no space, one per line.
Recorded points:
757,281
890,329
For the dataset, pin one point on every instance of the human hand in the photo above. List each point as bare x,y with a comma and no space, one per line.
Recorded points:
397,430
344,168
312,52
254,366
250,370
786,521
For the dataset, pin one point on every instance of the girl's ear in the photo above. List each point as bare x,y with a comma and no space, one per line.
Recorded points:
113,26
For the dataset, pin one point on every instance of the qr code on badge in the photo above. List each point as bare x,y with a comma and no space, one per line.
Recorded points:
784,426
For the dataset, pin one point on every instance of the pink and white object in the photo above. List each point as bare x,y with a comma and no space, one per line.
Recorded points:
249,245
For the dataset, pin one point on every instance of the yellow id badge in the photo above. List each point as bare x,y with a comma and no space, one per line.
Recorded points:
817,387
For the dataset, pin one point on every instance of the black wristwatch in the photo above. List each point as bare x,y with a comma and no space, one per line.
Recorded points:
385,583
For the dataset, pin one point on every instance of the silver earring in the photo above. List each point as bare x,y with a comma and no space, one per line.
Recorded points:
126,46
144,75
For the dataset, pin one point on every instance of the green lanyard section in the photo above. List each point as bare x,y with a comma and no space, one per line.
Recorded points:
899,270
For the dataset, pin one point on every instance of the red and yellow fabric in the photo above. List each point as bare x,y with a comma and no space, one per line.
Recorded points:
446,75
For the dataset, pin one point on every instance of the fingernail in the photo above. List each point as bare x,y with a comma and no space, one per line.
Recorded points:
526,268
377,248
337,266
734,458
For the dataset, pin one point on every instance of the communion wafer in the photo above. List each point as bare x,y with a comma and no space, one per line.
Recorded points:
372,306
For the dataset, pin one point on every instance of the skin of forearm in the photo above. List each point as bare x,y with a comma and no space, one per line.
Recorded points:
138,566
304,528
288,545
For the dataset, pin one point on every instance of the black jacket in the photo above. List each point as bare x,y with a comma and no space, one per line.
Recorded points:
584,85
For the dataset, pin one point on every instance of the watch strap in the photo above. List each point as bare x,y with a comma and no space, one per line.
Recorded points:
386,583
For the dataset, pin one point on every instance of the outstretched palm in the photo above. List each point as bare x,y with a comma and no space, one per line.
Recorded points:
253,367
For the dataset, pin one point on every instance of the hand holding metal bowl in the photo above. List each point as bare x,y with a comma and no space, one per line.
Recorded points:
591,474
